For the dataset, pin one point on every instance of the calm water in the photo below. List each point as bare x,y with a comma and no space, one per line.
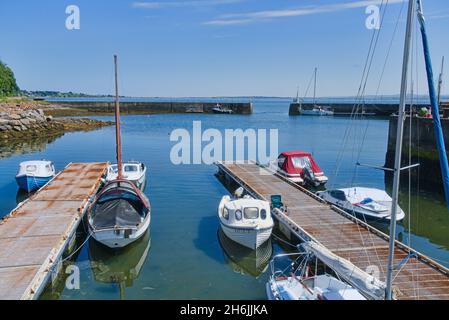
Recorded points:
185,257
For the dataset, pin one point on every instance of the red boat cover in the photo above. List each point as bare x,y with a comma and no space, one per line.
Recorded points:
290,168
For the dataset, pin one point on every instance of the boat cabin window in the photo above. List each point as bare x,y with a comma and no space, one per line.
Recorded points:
301,162
238,215
226,213
338,194
31,168
251,213
132,168
263,214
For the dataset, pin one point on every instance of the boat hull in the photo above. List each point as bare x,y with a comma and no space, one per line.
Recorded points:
115,239
32,183
251,238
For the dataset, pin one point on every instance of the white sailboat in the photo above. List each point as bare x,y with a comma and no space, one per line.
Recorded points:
316,110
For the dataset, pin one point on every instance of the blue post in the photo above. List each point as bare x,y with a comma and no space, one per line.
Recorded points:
434,106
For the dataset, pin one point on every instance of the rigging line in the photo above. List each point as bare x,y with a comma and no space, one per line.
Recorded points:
308,86
367,126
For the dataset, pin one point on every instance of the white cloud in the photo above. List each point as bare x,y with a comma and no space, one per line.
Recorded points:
178,4
249,17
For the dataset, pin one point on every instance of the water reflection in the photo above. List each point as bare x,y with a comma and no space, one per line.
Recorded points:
121,266
243,260
26,145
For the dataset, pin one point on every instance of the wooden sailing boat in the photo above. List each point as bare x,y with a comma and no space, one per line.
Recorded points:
120,214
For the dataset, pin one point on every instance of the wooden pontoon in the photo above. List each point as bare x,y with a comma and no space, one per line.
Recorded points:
309,218
34,236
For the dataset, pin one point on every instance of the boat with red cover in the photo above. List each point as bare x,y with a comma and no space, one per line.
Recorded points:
299,167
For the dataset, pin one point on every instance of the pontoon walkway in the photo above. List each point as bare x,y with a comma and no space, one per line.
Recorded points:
309,218
34,236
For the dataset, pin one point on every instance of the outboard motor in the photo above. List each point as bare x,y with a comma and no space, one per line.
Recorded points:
308,176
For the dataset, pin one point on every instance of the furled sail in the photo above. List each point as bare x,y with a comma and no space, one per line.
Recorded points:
367,284
434,106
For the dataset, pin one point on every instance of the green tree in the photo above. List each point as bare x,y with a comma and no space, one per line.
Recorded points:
8,85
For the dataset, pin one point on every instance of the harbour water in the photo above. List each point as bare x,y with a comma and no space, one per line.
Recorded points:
185,256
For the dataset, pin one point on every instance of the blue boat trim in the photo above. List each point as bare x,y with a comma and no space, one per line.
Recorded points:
32,183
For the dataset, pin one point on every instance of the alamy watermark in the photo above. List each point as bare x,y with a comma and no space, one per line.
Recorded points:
373,19
210,145
73,21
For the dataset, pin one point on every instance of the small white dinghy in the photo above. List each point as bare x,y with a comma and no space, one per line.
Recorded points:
247,221
132,171
295,282
374,204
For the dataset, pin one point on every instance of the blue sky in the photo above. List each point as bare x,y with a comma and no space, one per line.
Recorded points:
209,47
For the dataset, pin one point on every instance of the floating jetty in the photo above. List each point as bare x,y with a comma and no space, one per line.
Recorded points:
154,107
309,218
36,234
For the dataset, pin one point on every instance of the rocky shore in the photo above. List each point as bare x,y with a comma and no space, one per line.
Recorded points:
29,119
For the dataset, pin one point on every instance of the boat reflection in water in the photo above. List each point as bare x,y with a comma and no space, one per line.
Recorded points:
120,266
244,260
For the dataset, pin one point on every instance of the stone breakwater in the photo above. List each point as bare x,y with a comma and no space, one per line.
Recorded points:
16,123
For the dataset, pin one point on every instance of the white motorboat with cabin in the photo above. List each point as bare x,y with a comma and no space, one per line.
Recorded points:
220,109
33,175
296,280
133,171
247,221
374,204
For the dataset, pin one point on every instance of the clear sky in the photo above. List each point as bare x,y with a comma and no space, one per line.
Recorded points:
209,47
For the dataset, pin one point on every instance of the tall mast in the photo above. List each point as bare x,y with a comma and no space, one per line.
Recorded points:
438,130
440,81
398,152
314,89
118,137
297,95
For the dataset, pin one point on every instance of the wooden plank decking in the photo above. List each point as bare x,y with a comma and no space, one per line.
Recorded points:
34,235
309,218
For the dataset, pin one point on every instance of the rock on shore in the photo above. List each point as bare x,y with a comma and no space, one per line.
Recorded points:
27,122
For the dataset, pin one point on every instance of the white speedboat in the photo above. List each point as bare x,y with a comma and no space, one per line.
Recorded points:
33,175
247,221
220,109
367,202
132,171
295,280
119,215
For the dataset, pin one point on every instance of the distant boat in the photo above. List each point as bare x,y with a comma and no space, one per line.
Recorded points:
133,171
220,109
370,203
120,214
299,167
33,175
316,110
247,221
